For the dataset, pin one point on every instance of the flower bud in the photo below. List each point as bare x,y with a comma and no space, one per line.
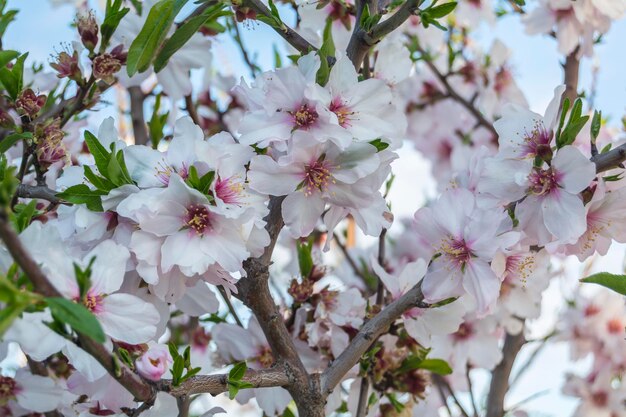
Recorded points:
154,363
29,103
244,13
301,292
88,30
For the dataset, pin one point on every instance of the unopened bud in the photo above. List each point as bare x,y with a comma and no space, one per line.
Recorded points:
88,30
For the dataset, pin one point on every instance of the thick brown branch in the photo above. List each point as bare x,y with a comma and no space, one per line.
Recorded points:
361,41
37,191
500,375
137,117
216,384
610,159
131,381
570,76
366,336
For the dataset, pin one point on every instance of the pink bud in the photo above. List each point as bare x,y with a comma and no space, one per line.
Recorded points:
154,363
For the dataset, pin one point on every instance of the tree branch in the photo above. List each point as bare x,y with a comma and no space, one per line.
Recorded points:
367,335
361,41
131,381
137,117
610,159
482,121
38,191
500,375
288,34
570,76
216,384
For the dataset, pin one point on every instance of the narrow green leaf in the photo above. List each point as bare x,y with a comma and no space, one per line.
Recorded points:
82,194
99,182
614,282
184,33
77,316
305,258
237,372
114,14
12,139
146,44
596,123
564,109
8,314
99,152
437,366
442,10
7,56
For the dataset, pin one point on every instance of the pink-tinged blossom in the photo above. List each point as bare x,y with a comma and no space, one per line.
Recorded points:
26,393
421,323
365,108
524,134
123,316
195,235
281,103
464,239
549,206
602,394
606,221
154,362
315,174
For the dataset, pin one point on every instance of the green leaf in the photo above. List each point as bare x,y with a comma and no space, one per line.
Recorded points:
185,32
614,282
157,123
379,144
7,56
22,215
12,139
305,258
436,366
327,50
77,316
99,152
596,123
237,372
564,109
113,15
5,20
146,44
9,313
117,172
99,182
442,10
82,194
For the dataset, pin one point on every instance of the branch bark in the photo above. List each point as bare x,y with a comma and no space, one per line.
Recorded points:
38,191
288,34
216,384
366,336
142,390
137,116
500,375
361,41
570,76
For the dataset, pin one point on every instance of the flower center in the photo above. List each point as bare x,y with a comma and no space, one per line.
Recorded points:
542,181
600,398
93,302
304,117
8,389
465,332
164,172
317,176
456,251
520,266
535,140
229,191
198,218
615,326
265,357
591,310
342,111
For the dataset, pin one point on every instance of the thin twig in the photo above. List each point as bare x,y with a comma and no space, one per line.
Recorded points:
471,390
230,306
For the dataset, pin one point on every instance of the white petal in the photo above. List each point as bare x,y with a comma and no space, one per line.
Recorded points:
128,318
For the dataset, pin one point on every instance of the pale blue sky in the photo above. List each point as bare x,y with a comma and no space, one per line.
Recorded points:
40,29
